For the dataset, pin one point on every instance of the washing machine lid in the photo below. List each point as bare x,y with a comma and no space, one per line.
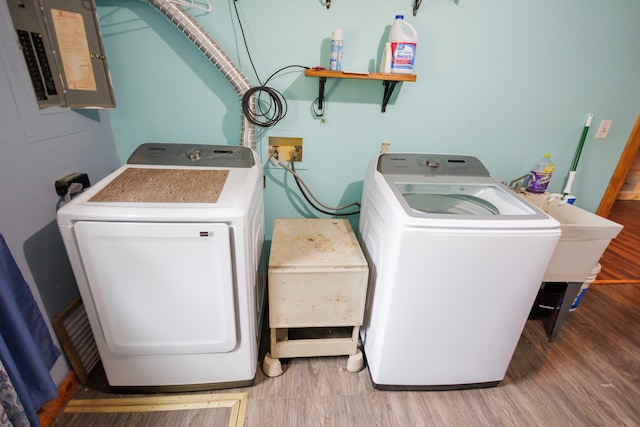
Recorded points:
451,187
486,199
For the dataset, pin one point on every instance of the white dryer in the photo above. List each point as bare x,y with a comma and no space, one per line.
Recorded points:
456,260
167,252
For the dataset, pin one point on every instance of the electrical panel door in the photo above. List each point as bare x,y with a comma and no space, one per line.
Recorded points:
63,52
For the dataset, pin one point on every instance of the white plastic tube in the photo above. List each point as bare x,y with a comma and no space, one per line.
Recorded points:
567,188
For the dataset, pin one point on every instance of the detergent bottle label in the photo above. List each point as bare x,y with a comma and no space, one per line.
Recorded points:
538,181
403,55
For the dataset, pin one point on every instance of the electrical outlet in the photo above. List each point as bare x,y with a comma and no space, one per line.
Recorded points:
604,128
286,148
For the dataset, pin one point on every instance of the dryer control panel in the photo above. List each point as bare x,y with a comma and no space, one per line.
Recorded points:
168,154
430,164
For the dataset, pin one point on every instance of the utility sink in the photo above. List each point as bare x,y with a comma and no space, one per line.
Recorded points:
585,237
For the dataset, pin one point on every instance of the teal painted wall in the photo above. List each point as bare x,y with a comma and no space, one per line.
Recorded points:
506,81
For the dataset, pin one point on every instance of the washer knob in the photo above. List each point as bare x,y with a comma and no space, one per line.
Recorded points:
432,163
193,154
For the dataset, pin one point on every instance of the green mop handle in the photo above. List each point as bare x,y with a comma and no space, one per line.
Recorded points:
574,166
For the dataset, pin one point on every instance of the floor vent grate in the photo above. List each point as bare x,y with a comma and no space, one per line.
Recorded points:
74,332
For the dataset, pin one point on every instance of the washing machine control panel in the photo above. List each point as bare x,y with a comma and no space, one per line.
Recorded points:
430,164
225,156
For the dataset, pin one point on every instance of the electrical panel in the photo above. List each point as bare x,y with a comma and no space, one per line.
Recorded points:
63,52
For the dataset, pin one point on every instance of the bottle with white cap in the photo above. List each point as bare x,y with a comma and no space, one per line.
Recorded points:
404,40
337,40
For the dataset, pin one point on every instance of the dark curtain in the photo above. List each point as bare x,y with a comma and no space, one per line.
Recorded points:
26,348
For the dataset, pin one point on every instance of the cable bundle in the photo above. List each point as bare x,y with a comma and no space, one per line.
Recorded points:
264,113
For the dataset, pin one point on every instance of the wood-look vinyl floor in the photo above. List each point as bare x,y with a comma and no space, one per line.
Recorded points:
588,376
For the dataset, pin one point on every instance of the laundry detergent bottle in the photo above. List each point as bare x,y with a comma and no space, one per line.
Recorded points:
404,40
540,175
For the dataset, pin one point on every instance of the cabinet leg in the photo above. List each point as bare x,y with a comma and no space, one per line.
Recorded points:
271,367
355,362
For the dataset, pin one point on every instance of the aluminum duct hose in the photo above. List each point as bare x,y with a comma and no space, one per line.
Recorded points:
183,21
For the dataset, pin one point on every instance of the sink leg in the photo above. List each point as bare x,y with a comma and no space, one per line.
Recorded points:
570,294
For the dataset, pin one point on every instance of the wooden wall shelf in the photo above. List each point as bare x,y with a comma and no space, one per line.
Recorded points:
389,81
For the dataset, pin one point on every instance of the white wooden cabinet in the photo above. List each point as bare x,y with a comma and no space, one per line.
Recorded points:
317,279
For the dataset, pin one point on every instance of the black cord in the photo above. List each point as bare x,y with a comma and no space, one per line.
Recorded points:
270,106
260,113
244,39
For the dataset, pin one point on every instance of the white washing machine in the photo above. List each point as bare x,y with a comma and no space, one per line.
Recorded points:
456,260
167,253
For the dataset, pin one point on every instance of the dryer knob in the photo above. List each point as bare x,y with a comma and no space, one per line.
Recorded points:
433,163
193,154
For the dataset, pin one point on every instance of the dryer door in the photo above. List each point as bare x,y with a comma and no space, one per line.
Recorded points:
160,288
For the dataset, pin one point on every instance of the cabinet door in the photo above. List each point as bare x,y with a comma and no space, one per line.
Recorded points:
160,288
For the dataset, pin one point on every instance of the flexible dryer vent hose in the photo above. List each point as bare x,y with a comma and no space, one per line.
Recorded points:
183,21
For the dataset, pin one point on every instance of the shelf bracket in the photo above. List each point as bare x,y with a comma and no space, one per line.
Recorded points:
322,81
389,86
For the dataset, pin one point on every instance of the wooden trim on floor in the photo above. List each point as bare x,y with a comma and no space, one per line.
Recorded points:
50,410
236,401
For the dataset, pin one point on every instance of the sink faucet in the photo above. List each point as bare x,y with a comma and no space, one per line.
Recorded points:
516,184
